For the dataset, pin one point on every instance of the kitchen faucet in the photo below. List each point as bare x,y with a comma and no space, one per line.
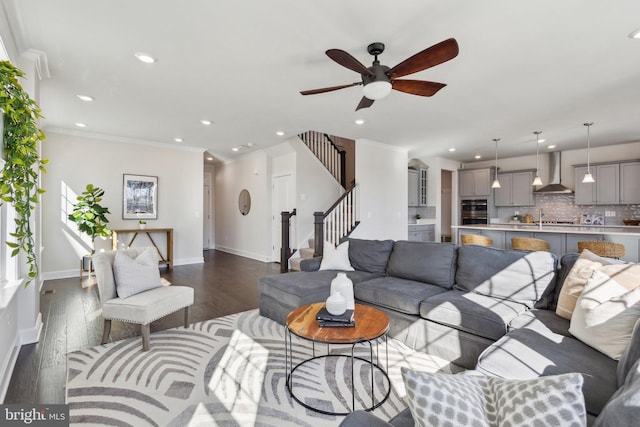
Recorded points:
540,214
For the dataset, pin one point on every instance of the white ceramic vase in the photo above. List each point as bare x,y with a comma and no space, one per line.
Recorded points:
336,304
344,285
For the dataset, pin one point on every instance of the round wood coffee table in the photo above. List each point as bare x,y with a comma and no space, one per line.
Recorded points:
371,325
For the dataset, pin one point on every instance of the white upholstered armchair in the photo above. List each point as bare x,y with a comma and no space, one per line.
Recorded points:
136,305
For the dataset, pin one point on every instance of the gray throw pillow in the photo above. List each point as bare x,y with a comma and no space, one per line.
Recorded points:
370,255
471,399
623,409
133,276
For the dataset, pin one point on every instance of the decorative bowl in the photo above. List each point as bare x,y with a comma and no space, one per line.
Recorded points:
631,221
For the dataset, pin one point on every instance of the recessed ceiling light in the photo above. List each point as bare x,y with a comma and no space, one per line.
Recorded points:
635,34
452,149
178,139
279,133
210,158
145,57
85,98
235,149
551,147
360,121
477,156
81,125
205,122
542,140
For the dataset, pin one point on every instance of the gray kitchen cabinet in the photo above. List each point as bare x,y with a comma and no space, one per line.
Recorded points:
422,232
630,183
423,185
515,189
606,188
413,187
474,182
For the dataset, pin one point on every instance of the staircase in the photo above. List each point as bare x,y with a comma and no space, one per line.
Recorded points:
305,253
328,153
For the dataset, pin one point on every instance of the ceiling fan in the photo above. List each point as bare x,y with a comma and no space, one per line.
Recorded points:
378,80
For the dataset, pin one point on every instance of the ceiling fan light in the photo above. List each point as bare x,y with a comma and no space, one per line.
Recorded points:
537,181
588,178
376,90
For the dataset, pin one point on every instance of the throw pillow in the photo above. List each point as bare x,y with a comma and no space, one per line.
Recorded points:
133,276
576,279
622,408
335,258
437,399
608,309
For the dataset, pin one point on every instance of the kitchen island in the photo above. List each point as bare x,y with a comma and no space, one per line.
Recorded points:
562,238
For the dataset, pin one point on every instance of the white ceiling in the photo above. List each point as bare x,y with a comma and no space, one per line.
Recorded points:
524,65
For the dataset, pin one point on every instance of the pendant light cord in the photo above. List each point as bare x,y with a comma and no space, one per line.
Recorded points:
588,125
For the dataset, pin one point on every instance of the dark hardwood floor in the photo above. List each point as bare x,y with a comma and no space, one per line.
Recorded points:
224,284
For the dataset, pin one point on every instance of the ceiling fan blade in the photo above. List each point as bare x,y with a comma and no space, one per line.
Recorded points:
431,56
417,87
364,103
348,61
328,89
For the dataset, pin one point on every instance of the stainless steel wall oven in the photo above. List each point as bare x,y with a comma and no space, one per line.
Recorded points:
474,211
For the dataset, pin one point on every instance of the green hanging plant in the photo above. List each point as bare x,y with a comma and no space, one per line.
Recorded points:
90,215
23,164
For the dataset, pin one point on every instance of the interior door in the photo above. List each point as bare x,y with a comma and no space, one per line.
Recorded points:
282,200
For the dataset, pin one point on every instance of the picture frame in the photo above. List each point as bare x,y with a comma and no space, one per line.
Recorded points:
139,197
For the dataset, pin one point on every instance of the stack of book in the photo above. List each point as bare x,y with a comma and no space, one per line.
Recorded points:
328,320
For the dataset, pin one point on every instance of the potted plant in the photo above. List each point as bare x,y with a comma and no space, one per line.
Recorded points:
91,218
142,224
19,176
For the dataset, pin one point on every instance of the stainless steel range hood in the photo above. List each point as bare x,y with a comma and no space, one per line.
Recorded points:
555,185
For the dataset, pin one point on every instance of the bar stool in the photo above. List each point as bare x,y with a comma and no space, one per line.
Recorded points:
475,239
605,249
529,244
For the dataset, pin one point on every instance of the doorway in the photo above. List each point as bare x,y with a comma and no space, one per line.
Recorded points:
446,201
282,199
207,222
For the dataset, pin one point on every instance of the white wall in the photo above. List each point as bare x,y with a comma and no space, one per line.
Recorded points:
75,161
245,235
381,175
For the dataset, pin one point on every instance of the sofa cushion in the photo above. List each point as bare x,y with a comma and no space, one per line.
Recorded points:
370,255
302,287
630,355
543,321
513,275
550,296
427,262
608,309
527,353
397,294
478,314
335,258
577,277
470,399
624,406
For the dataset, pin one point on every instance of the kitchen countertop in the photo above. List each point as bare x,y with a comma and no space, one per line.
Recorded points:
557,228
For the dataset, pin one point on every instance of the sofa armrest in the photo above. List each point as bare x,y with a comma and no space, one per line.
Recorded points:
363,419
310,264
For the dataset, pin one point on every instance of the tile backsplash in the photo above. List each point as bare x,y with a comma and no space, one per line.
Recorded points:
562,207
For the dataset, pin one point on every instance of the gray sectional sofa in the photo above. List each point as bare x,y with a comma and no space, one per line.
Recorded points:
481,308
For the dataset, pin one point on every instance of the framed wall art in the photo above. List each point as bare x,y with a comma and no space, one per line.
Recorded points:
139,197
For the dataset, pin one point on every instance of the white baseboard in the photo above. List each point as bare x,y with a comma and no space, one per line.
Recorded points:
246,254
187,261
5,375
31,335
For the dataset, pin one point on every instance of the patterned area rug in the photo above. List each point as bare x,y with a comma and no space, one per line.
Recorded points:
228,371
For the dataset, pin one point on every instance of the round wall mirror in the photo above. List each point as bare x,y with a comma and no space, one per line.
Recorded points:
244,202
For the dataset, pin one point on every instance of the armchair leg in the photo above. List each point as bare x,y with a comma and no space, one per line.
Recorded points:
146,329
186,317
106,331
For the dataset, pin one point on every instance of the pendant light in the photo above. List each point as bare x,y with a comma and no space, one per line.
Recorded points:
588,178
536,179
496,183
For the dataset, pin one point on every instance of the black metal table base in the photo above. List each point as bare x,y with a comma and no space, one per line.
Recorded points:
290,369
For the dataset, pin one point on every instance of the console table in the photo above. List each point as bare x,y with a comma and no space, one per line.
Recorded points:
164,259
